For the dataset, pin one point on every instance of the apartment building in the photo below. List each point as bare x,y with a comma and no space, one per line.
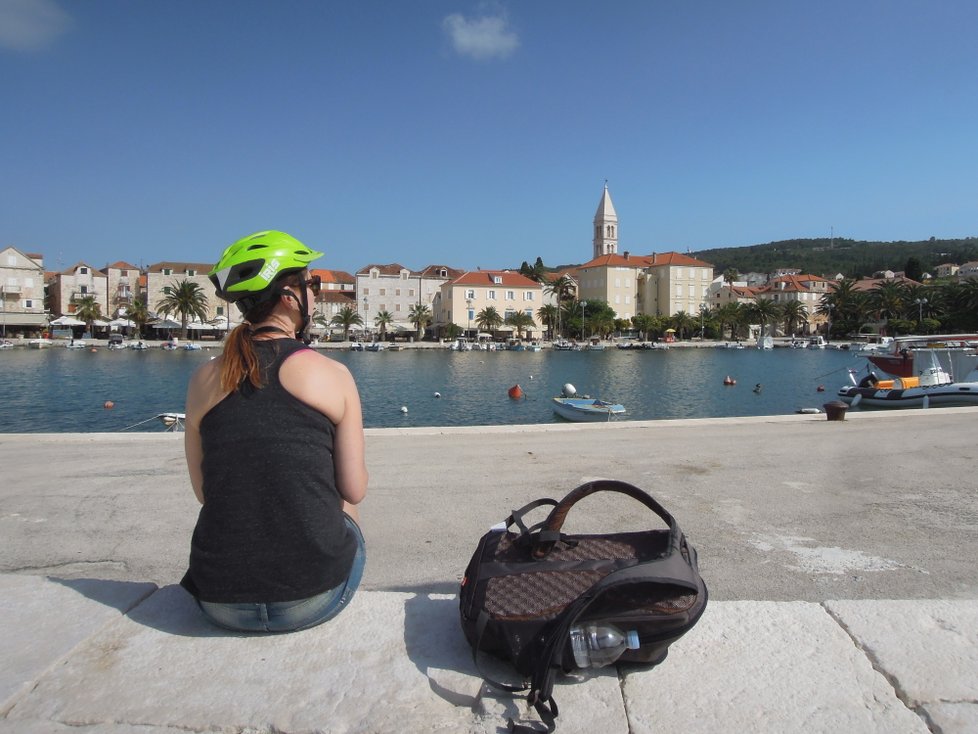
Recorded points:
21,292
122,287
612,278
808,290
79,281
162,274
672,282
396,289
461,300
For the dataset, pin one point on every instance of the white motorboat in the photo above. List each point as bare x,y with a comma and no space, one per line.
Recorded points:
172,421
6,344
376,347
583,408
898,360
932,386
39,344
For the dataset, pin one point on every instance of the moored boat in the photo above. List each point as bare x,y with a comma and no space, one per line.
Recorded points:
932,387
583,408
898,360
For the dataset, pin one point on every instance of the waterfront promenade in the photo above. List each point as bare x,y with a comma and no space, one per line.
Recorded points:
840,558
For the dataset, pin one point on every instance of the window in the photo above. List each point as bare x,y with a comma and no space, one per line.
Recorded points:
383,291
397,292
510,295
471,314
529,312
191,273
383,307
528,296
167,271
411,293
28,303
470,293
84,289
83,271
397,307
617,282
492,295
366,291
12,261
497,279
220,310
124,273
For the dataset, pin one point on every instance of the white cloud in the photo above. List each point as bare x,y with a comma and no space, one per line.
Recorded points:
28,25
484,37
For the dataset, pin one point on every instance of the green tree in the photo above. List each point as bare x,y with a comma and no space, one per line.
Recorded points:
793,312
382,320
683,323
489,319
87,309
913,269
644,323
765,311
420,316
139,315
521,321
185,299
346,318
728,315
549,316
886,300
563,288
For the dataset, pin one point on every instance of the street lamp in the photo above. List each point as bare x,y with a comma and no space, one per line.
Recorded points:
920,309
583,320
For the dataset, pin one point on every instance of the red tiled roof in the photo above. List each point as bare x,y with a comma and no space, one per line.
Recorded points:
345,297
675,258
391,269
487,277
333,276
433,271
120,265
614,260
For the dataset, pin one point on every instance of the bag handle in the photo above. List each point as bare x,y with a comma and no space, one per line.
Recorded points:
550,531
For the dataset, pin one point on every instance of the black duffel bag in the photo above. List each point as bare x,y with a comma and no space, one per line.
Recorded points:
526,587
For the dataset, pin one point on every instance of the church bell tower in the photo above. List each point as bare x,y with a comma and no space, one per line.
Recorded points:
605,226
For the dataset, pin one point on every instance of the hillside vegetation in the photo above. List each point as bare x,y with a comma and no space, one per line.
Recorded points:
852,258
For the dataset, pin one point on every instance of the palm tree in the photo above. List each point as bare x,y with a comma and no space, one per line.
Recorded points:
345,318
88,310
682,322
791,313
844,306
644,323
549,315
521,321
562,287
729,314
766,312
420,316
886,300
730,275
187,299
489,319
382,320
139,315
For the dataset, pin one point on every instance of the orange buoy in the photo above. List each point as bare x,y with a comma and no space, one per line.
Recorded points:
108,405
728,380
515,392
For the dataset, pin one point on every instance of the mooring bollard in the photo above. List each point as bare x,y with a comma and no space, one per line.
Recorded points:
836,410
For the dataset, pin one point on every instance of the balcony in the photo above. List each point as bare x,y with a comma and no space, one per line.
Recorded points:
10,289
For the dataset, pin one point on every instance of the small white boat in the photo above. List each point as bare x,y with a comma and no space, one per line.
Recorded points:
169,346
376,347
39,344
172,421
765,342
562,345
136,345
816,342
75,344
583,408
6,344
356,347
191,347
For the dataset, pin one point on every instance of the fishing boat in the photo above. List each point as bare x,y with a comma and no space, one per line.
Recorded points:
933,386
898,360
583,408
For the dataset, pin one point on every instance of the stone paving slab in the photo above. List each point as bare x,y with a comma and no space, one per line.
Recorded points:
928,649
398,662
392,662
43,620
765,667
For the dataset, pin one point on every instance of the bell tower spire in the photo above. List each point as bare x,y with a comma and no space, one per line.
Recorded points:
605,226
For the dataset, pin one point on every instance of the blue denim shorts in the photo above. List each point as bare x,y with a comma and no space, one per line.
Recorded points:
290,616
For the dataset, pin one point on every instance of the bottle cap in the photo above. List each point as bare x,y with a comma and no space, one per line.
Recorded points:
631,640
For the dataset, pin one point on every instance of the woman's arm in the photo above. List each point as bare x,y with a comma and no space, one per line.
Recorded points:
203,393
329,387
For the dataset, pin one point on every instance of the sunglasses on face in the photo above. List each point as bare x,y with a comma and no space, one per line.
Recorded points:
315,282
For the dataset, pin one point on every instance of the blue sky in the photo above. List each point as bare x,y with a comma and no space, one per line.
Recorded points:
481,134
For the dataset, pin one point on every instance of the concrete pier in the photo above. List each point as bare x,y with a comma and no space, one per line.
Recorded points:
840,556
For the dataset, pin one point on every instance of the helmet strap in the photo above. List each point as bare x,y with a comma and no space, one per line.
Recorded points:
302,333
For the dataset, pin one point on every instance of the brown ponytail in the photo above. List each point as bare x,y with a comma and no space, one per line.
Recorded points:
240,362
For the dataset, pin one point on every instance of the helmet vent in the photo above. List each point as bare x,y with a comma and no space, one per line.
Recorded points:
257,246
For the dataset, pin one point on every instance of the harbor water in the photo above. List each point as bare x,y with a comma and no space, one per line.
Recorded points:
59,390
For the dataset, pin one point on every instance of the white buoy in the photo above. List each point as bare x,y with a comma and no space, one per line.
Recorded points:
569,390
531,377
404,409
437,394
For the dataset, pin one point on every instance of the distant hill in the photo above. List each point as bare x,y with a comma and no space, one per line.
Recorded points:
826,257
852,258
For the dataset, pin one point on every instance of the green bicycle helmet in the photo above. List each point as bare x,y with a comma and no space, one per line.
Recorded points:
248,268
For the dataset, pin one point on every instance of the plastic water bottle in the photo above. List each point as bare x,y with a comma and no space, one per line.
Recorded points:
596,644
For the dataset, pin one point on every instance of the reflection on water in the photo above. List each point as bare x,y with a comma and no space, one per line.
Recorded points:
61,390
